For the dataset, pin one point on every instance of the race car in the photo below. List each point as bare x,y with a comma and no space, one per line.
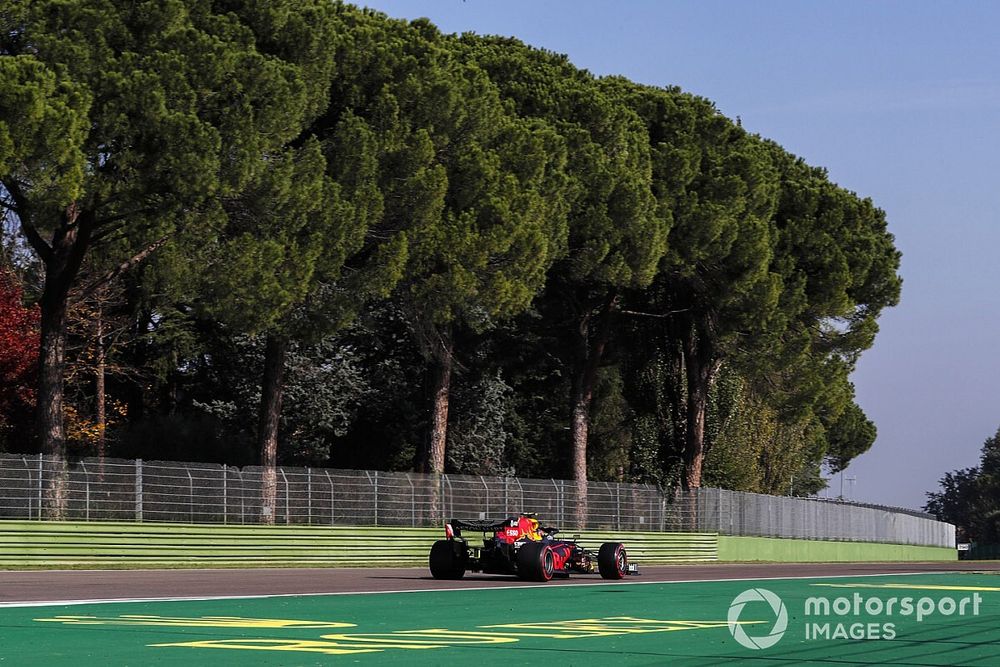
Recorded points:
519,546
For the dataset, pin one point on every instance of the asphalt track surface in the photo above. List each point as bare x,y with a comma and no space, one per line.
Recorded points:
29,586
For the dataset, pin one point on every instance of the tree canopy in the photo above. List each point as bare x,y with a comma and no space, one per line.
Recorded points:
602,279
970,498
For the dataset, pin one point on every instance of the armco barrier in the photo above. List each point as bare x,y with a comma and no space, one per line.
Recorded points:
117,544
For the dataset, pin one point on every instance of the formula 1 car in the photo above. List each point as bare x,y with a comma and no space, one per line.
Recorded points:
518,546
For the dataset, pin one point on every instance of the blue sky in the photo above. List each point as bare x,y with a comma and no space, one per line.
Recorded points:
900,101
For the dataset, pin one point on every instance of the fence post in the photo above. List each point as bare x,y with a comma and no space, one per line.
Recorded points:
27,487
86,492
138,490
559,512
732,513
190,495
618,506
225,496
376,497
446,512
486,486
287,494
413,502
331,494
441,508
718,502
41,485
663,511
309,495
243,500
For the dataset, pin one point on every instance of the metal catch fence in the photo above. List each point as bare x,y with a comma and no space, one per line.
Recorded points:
37,487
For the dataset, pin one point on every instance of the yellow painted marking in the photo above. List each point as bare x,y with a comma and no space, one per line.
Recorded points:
304,645
607,627
201,622
917,587
432,638
427,638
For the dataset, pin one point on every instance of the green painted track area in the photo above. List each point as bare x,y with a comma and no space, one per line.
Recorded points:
630,624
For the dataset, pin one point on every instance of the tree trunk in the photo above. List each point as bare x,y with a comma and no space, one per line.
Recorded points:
51,359
62,265
439,408
99,391
438,437
700,367
270,416
590,353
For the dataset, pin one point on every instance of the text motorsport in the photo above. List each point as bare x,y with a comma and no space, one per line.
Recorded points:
857,617
872,607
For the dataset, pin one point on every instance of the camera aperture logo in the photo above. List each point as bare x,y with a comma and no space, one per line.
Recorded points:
739,632
854,617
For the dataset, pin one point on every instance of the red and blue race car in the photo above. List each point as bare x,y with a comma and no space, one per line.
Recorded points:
519,546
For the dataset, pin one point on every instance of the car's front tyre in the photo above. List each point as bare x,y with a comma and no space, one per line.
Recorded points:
612,560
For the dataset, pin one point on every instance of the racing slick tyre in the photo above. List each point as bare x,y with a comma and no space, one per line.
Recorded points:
446,562
612,561
535,562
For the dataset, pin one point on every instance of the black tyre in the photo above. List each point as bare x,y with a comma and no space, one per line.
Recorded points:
612,561
447,560
535,562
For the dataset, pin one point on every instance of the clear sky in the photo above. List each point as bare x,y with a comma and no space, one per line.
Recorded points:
900,101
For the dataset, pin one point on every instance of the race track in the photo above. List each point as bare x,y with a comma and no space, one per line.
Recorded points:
18,587
769,615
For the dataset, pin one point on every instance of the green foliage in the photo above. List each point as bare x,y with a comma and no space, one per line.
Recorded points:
525,349
289,231
156,107
611,429
838,266
715,298
850,435
970,498
344,180
750,447
615,236
717,272
477,191
324,389
43,125
175,108
479,436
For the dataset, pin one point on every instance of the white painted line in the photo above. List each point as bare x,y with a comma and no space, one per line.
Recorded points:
68,603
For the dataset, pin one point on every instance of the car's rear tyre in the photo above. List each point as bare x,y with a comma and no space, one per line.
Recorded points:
446,561
535,562
612,561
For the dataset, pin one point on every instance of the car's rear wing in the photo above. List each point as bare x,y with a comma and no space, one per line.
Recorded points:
455,527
